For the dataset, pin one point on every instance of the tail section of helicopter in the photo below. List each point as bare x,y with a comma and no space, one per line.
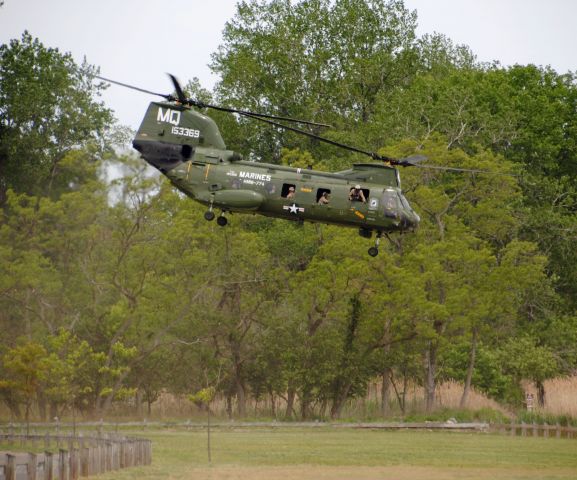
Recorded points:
186,146
170,134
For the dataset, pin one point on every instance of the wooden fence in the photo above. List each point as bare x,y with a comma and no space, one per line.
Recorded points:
77,455
534,430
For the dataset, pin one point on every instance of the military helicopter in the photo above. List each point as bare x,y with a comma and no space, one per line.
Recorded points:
187,147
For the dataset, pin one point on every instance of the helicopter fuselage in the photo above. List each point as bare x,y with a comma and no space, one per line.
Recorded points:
187,148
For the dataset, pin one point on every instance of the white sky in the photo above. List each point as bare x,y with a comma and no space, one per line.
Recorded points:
138,41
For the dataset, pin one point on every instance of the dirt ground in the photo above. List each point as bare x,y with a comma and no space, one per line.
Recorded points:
372,473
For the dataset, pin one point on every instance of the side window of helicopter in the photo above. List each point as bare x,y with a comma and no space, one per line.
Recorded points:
358,194
323,196
288,190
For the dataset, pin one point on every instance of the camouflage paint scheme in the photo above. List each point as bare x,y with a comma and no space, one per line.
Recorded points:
187,147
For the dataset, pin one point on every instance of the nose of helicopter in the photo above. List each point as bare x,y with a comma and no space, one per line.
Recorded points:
410,220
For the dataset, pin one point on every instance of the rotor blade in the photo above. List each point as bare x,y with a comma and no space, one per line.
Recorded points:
405,162
179,93
411,161
317,137
265,115
168,97
466,170
189,101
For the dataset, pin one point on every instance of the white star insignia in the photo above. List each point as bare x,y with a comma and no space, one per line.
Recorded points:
294,208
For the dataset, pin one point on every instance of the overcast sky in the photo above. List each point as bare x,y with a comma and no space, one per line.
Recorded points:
138,41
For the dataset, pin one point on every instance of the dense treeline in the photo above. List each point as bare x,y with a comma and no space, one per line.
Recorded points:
116,291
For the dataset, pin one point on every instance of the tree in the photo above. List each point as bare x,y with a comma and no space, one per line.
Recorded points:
23,368
311,59
47,109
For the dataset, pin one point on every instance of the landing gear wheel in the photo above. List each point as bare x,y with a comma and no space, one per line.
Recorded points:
373,251
222,221
209,215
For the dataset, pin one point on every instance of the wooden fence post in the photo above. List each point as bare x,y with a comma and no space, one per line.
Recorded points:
48,466
108,456
102,448
32,466
84,462
74,460
116,455
95,470
63,464
10,471
122,454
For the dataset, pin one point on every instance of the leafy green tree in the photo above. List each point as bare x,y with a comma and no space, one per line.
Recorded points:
311,59
48,108
523,359
23,367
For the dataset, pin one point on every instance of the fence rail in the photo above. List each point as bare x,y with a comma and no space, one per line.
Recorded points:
534,430
77,456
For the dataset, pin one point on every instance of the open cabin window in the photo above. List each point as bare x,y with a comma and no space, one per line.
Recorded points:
366,193
288,190
320,193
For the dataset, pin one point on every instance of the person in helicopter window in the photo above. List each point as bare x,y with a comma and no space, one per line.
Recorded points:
324,199
291,193
357,195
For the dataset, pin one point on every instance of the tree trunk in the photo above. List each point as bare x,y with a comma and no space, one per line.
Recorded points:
385,391
240,397
42,406
229,405
305,405
430,373
138,401
401,396
339,400
290,401
540,393
323,408
344,381
470,370
272,402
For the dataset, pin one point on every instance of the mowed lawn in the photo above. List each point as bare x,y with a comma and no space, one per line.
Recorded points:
338,453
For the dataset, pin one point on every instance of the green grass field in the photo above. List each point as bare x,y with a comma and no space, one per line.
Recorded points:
336,453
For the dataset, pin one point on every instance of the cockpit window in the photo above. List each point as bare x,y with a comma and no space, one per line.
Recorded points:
390,199
390,203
